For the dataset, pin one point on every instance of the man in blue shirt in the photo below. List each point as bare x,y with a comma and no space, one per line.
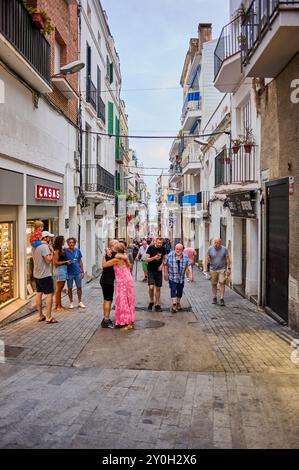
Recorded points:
175,267
75,271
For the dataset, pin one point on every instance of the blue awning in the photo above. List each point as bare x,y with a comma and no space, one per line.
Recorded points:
190,199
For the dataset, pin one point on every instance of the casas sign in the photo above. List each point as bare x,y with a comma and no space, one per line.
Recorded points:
47,192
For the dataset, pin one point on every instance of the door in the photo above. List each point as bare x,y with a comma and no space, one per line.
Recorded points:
277,246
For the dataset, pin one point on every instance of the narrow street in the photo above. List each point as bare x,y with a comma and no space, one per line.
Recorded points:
208,377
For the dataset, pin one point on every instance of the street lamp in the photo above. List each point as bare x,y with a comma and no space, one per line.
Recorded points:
72,67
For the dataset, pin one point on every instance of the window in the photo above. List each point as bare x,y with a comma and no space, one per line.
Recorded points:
109,70
88,60
99,38
57,57
88,12
246,117
98,150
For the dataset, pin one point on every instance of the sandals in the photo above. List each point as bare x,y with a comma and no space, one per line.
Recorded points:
127,328
42,318
53,320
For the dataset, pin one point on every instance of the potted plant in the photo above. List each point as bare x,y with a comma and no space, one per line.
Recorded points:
249,140
41,20
236,144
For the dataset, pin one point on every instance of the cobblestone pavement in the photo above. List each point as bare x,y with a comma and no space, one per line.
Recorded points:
251,402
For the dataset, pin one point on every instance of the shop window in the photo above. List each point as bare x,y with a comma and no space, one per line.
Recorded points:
7,263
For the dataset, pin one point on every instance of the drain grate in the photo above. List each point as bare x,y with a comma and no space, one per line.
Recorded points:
141,324
164,309
12,351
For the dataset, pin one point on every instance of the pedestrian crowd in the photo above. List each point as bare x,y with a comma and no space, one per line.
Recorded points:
158,261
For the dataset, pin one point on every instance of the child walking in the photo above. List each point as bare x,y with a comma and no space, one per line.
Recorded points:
124,286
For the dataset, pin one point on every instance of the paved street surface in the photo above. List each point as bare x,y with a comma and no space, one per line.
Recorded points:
209,377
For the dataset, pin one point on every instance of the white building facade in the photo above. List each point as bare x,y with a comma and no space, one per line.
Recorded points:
100,85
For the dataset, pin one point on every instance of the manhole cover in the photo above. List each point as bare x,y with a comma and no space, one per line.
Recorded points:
140,324
13,351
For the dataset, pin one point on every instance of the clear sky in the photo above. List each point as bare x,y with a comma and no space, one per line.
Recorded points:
152,38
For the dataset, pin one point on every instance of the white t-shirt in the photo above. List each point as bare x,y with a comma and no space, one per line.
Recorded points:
142,252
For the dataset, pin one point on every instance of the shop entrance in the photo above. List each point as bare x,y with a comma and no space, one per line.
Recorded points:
50,224
8,257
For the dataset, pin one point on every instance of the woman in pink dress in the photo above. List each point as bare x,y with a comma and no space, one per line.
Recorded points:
124,290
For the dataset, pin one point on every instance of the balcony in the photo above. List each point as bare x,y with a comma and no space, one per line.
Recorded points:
101,109
191,163
97,180
227,57
91,93
270,36
239,168
203,200
175,173
191,110
23,47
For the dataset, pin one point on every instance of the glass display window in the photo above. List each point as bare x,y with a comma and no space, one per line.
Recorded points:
8,287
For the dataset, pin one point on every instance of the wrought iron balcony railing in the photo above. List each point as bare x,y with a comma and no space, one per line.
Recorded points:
257,21
229,43
233,168
101,109
17,27
97,179
91,93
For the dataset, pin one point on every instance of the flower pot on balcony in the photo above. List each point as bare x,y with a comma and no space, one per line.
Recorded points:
247,148
235,149
38,20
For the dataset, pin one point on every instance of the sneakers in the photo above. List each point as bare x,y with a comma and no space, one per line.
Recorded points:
179,307
158,308
150,307
173,309
107,323
81,305
214,301
71,306
222,304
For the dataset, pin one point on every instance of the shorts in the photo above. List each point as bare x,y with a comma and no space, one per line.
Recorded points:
45,285
176,289
77,279
155,278
61,274
217,276
145,266
108,291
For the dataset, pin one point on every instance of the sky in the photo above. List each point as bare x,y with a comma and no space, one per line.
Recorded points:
152,39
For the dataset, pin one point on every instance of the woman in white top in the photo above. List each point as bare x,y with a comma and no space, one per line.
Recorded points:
142,255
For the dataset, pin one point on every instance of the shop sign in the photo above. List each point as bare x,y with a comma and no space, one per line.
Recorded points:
291,186
47,192
241,205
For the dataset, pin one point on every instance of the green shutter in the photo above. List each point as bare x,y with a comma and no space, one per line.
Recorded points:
117,180
117,138
111,73
110,118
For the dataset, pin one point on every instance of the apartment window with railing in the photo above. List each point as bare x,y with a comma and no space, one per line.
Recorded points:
99,150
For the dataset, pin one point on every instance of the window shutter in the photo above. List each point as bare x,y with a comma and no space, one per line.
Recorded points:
111,73
107,68
110,118
117,139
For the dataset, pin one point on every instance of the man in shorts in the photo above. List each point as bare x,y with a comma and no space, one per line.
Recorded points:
219,260
154,257
75,271
42,261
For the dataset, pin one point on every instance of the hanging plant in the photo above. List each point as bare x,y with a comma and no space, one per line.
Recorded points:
236,144
41,20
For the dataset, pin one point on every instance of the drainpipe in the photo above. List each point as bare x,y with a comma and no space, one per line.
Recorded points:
80,140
